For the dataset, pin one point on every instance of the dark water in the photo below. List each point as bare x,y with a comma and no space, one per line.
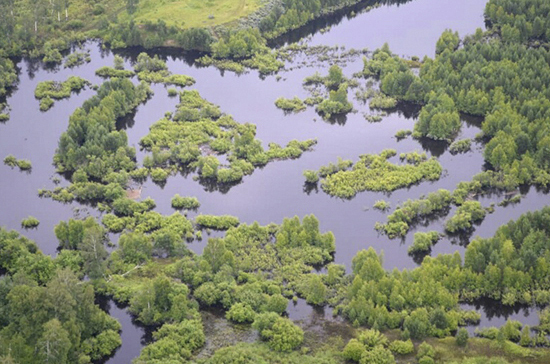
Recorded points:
277,190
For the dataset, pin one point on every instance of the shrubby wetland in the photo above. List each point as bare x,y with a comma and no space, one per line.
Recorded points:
264,181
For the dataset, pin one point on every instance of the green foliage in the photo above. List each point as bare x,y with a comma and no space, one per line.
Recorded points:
22,164
380,101
381,205
92,144
315,290
335,77
447,41
311,176
48,314
460,146
376,173
336,104
216,222
439,119
423,241
8,76
198,129
241,313
59,90
295,104
10,161
469,212
354,350
30,222
412,210
402,347
46,103
425,350
265,63
136,248
402,134
243,43
174,343
185,203
280,333
462,337
77,59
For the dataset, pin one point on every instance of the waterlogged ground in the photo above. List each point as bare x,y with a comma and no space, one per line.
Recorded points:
277,190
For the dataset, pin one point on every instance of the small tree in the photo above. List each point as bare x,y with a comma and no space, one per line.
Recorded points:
462,337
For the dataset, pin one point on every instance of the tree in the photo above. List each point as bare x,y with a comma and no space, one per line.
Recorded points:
335,77
93,251
136,248
447,41
462,337
285,336
353,350
54,344
315,292
439,119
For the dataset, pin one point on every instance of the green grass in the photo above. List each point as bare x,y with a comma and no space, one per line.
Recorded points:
195,13
447,351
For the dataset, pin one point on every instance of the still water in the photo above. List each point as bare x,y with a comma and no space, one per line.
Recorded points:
277,190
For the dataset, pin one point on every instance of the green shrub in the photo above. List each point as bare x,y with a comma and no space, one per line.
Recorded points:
24,164
375,173
460,146
402,134
439,119
381,101
240,313
381,205
402,347
185,203
311,176
223,222
10,160
295,104
30,222
465,215
159,175
423,242
46,103
336,104
462,337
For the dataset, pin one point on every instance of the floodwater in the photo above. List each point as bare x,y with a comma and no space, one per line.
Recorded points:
277,190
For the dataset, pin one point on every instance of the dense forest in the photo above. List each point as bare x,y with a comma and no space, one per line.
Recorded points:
49,308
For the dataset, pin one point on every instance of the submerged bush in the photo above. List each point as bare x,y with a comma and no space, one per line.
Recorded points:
402,134
295,104
216,222
185,203
381,205
24,164
30,222
465,215
423,242
381,101
311,176
336,104
460,146
412,210
375,173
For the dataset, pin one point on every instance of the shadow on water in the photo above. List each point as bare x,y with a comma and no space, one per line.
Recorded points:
329,20
270,193
133,334
494,313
